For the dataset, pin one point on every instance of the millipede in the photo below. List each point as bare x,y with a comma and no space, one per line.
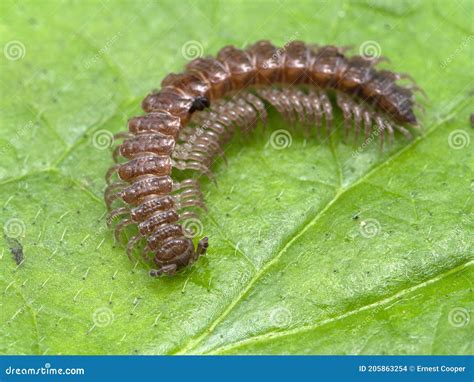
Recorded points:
187,123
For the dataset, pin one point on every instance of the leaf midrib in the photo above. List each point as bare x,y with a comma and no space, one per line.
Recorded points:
376,304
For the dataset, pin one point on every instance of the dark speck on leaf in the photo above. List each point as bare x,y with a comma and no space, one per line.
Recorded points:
16,249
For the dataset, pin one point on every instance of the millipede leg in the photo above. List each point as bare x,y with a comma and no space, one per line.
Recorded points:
120,227
191,203
317,112
389,127
123,134
308,109
110,194
131,245
228,110
191,193
114,186
416,88
225,121
196,166
169,269
367,124
287,105
270,97
308,114
381,128
188,152
116,154
240,111
327,112
212,145
201,249
259,106
188,188
357,111
109,199
345,106
188,215
216,127
404,131
295,98
404,76
202,246
111,171
378,60
117,212
206,142
249,114
344,48
186,183
144,253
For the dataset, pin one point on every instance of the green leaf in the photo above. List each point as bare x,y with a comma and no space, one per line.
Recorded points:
316,248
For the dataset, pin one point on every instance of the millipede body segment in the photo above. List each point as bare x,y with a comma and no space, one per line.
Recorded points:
187,123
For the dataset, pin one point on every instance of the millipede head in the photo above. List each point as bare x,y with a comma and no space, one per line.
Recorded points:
177,253
200,103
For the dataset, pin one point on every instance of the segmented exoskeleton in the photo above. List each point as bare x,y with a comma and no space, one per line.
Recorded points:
196,113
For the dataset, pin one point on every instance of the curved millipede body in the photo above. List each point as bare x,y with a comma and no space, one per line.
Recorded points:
187,123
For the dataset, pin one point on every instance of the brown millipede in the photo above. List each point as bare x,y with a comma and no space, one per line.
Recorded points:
196,112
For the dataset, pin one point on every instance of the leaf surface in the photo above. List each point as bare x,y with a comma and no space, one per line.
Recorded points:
319,248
